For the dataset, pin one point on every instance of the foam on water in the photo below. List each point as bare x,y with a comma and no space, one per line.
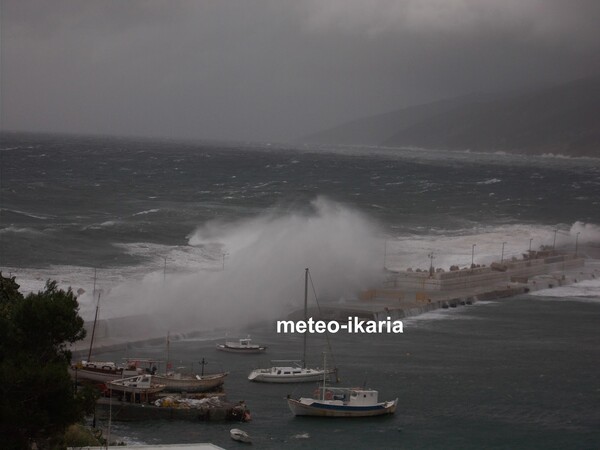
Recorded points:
149,211
439,314
584,291
25,230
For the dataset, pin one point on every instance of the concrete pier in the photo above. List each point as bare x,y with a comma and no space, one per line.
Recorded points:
404,294
410,293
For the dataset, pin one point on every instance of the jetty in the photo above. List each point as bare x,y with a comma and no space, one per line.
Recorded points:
211,410
410,292
404,293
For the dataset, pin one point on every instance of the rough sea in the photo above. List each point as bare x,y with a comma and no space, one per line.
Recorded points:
217,235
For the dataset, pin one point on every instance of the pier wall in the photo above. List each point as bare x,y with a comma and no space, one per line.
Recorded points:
476,277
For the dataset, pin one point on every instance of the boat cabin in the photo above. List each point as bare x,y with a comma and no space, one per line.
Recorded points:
349,396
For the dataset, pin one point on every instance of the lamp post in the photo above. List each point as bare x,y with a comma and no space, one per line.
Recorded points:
576,241
502,257
530,239
431,264
472,255
554,243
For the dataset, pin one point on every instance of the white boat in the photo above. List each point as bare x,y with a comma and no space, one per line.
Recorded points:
242,346
141,384
178,382
296,373
239,435
342,402
102,371
288,374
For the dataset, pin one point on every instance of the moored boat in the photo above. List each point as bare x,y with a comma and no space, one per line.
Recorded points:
342,402
244,346
178,382
102,371
296,373
239,435
141,384
288,374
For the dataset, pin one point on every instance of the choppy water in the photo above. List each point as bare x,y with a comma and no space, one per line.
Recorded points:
220,234
518,373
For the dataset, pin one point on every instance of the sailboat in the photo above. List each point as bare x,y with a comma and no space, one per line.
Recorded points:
100,371
244,346
188,382
291,371
341,402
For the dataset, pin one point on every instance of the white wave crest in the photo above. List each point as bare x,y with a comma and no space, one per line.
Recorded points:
149,211
24,230
25,213
490,181
587,291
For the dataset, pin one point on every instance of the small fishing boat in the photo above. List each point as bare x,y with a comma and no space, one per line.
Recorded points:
141,384
341,402
239,435
242,346
178,382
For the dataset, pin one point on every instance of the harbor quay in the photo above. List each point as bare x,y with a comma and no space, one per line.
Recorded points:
412,292
403,294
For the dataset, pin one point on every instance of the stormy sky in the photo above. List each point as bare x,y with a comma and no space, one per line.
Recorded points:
273,70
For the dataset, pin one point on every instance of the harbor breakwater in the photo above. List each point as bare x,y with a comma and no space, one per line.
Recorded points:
410,293
404,294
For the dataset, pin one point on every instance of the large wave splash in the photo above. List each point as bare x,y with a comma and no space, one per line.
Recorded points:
588,232
258,267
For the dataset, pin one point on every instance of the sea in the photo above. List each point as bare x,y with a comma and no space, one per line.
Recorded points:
214,237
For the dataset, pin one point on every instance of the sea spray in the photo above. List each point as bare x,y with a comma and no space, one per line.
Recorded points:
260,275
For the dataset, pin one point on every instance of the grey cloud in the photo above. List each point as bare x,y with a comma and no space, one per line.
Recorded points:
272,70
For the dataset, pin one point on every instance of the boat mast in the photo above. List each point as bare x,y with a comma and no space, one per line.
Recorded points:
94,289
168,352
324,373
94,328
305,314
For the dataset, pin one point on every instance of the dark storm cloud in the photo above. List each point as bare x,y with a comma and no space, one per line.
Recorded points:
273,70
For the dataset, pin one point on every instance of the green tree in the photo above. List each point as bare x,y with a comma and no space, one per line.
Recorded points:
38,400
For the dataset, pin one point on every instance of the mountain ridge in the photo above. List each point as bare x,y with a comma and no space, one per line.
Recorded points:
562,119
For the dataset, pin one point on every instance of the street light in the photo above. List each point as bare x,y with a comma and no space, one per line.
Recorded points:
576,241
502,257
431,264
554,243
530,239
472,255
